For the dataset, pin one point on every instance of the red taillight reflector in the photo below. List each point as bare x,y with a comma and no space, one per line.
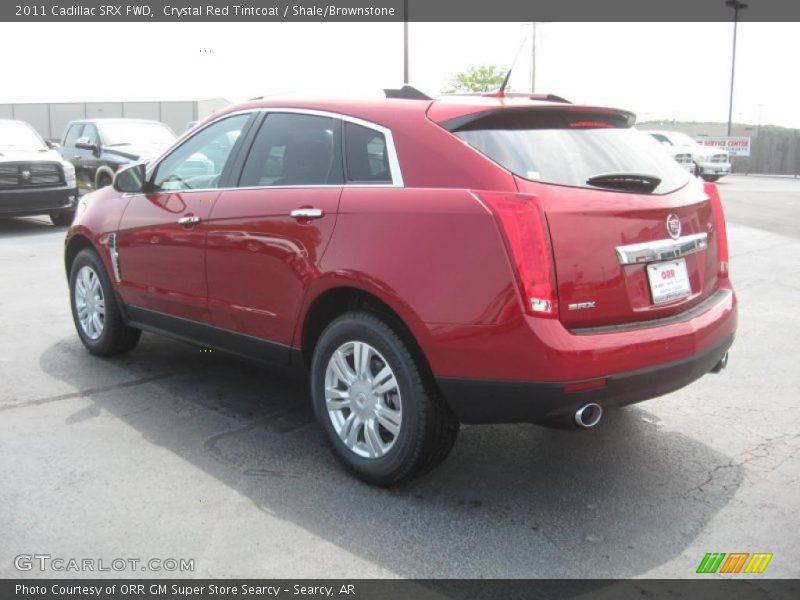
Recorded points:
525,230
582,386
591,125
719,225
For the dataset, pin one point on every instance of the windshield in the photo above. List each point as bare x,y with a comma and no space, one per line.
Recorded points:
17,134
573,156
136,134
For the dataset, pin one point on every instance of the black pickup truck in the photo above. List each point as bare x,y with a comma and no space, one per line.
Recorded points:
34,180
98,147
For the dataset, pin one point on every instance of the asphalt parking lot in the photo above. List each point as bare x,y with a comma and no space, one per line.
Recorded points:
173,453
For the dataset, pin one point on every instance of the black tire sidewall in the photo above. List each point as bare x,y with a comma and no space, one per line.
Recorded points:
102,344
352,327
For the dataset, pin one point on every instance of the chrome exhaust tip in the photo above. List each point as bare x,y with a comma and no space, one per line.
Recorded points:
588,415
723,362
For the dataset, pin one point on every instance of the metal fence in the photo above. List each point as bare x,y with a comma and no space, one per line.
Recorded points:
771,155
51,118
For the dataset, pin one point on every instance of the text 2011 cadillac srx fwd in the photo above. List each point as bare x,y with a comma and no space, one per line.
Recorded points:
483,259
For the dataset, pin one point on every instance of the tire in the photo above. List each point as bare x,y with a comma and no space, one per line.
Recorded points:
112,336
104,180
698,172
425,428
711,178
62,219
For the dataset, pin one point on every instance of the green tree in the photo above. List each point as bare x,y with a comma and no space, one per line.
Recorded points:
479,79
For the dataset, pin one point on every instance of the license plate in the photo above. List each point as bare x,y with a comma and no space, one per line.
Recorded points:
669,281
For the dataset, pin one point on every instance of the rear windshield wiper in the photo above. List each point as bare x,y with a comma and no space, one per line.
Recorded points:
627,182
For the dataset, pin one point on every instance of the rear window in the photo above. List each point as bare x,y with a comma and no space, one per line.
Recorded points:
570,148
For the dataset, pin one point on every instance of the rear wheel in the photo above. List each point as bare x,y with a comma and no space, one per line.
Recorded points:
95,312
384,419
62,219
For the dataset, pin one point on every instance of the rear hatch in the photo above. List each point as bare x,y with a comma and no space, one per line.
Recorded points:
632,234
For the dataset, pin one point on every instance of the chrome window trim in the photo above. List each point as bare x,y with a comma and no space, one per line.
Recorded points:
644,252
391,148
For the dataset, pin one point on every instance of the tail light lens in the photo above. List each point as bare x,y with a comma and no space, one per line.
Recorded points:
719,225
525,230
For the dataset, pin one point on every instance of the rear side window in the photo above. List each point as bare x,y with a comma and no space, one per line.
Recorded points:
294,150
73,133
366,155
570,148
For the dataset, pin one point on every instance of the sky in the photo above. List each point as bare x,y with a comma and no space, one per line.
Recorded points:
658,70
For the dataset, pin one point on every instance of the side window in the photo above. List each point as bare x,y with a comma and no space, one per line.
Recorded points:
661,138
90,131
294,149
366,155
73,133
200,160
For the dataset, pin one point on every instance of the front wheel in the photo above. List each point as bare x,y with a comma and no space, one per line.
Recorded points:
384,418
711,178
95,311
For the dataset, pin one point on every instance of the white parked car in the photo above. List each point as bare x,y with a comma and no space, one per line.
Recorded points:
707,162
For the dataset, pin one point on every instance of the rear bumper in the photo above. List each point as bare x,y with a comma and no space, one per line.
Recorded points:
23,202
549,403
520,372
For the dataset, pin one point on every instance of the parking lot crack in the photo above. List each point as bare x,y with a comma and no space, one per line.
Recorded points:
84,393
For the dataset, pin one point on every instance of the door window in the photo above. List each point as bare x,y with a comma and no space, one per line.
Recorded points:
90,133
366,153
73,133
294,150
198,162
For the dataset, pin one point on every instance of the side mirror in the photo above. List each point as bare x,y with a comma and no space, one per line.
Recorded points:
52,145
130,180
85,143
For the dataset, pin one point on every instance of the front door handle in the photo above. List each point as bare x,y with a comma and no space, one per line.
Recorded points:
306,213
189,220
76,156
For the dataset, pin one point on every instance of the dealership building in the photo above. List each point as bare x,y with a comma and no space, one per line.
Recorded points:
51,118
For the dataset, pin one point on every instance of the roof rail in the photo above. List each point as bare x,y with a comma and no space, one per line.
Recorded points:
406,92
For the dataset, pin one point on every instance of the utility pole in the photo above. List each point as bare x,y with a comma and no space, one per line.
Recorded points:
533,57
405,41
736,5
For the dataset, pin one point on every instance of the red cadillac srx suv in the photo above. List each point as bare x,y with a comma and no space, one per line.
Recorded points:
475,259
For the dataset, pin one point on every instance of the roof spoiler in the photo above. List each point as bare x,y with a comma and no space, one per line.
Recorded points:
406,92
528,95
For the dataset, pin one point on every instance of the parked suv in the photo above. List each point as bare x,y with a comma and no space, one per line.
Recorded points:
98,147
709,163
487,259
33,178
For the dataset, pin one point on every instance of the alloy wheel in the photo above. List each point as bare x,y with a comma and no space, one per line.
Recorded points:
362,397
90,303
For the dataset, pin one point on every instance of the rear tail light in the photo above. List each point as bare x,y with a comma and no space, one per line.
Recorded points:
525,230
719,225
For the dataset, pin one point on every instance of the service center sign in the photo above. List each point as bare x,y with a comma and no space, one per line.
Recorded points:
735,146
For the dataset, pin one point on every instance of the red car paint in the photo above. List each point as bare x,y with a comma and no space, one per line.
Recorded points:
431,251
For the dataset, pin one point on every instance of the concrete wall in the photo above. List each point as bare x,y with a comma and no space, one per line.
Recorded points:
50,119
771,155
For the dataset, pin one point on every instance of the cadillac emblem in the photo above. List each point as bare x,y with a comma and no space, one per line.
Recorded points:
674,227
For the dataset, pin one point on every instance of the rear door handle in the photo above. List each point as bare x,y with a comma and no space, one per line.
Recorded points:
189,220
306,213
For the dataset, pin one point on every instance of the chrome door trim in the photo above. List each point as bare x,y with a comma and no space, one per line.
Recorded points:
391,149
661,249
